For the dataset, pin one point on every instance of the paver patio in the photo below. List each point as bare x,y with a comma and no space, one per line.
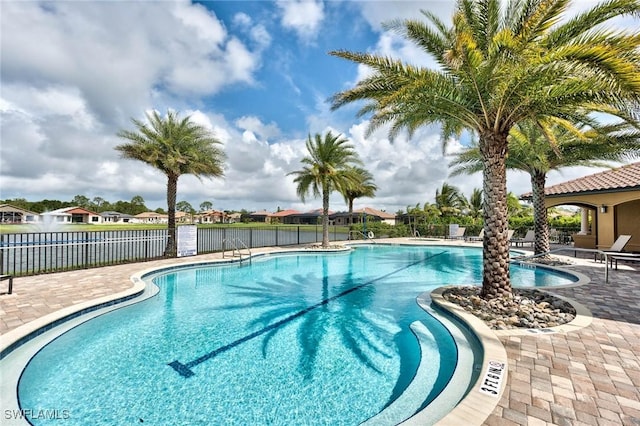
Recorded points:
585,377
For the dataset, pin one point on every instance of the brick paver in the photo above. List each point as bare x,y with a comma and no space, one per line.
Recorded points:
585,377
588,377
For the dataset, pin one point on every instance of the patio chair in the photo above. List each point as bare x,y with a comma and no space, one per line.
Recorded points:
529,238
459,235
618,246
623,257
480,236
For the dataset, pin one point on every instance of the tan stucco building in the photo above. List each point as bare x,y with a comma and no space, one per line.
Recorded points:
610,203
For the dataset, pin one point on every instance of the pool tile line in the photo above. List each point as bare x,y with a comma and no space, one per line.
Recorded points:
185,369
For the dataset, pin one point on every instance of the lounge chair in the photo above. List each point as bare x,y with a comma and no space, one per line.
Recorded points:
480,236
530,238
617,247
459,235
623,257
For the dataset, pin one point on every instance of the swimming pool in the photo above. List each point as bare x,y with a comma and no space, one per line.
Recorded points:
303,338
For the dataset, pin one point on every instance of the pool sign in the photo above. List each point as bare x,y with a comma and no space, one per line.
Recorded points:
187,240
492,379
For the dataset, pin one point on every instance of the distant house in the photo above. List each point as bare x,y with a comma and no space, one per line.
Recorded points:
115,217
67,215
234,217
16,215
312,217
284,216
212,216
150,217
359,216
183,217
261,216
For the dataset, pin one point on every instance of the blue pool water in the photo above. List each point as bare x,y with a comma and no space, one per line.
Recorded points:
288,339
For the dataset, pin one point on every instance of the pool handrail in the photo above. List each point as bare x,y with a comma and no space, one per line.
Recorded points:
368,236
235,242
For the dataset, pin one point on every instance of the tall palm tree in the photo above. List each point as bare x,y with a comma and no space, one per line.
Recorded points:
538,151
364,187
475,204
328,168
450,201
175,147
495,67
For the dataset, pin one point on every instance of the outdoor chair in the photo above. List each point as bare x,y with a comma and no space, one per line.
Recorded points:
623,257
459,235
618,246
529,238
480,236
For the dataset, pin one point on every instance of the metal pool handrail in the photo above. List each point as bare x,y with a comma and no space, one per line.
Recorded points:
368,236
234,245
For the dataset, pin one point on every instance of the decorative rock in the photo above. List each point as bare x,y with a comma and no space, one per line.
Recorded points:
525,308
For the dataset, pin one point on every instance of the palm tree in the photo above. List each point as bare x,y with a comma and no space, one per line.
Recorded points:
475,204
450,200
538,151
496,67
175,147
365,187
328,168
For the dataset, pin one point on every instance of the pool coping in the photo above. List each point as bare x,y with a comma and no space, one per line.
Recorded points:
476,407
466,411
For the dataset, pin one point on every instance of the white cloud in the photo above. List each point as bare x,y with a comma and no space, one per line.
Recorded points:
302,16
206,27
253,124
378,12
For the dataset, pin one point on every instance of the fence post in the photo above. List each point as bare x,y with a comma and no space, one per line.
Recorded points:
2,248
298,234
224,237
276,236
146,244
86,250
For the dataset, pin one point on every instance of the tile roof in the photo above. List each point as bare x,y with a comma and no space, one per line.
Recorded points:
9,208
283,213
375,212
623,178
150,215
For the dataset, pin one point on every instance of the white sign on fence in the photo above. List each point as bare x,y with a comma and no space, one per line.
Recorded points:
187,240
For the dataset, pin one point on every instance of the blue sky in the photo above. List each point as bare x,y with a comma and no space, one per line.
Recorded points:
257,73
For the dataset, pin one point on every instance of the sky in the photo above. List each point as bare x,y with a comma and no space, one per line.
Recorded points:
257,74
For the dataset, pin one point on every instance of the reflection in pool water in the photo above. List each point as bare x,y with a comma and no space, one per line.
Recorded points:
291,339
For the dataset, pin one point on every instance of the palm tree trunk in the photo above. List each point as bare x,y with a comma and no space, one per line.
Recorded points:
350,212
325,217
540,225
495,246
171,250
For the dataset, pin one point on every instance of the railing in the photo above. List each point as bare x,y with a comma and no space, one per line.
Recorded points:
561,235
32,253
235,250
368,236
